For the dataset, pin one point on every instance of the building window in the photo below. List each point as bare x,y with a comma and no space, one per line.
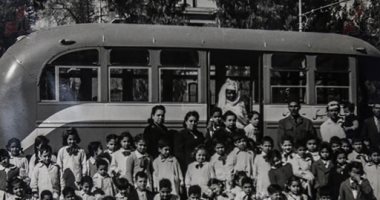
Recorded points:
179,85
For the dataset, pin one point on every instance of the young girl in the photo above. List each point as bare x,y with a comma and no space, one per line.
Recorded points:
94,150
165,191
15,151
86,185
335,143
216,190
140,161
262,166
322,169
280,172
218,161
346,145
294,189
118,165
252,130
46,174
301,164
102,180
287,149
17,189
200,171
112,144
167,166
38,142
235,184
7,171
358,153
71,159
312,144
339,172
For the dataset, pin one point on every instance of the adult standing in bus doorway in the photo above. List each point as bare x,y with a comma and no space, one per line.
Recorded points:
333,125
156,130
229,99
298,127
371,126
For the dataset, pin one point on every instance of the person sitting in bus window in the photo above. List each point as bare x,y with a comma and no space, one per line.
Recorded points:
371,127
294,125
351,123
229,99
333,125
252,130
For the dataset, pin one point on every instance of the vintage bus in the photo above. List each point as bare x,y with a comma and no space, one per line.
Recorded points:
105,78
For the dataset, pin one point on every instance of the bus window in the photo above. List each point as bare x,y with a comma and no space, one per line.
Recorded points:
179,85
288,77
240,67
129,57
332,78
129,84
78,84
77,81
179,76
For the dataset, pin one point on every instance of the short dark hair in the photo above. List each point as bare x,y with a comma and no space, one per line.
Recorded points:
195,189
165,183
45,148
356,165
252,113
93,147
4,154
267,139
324,191
216,109
228,113
239,136
46,193
16,181
213,181
325,145
101,162
87,179
111,137
122,183
141,174
274,188
139,137
13,140
126,134
273,154
163,143
246,180
350,106
335,140
287,138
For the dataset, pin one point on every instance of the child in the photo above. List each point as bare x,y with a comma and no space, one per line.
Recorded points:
294,189
275,192
195,192
301,164
323,168
46,195
200,171
68,193
312,147
261,167
324,193
280,171
7,170
218,161
94,150
141,193
165,191
287,149
15,150
119,158
111,144
17,189
38,142
71,159
346,145
357,153
339,172
236,186
140,161
252,130
335,143
167,166
225,134
356,187
240,159
215,122
46,174
101,178
124,189
248,190
372,171
216,190
351,122
86,185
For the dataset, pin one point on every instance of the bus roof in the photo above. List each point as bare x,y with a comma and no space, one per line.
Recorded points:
46,44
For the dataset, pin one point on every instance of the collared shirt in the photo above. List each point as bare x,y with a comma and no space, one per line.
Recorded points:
329,129
104,183
199,174
76,163
243,196
219,164
142,195
45,177
170,169
354,189
298,128
119,161
372,172
138,162
238,160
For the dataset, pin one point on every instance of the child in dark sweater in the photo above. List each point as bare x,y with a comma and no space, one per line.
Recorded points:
280,172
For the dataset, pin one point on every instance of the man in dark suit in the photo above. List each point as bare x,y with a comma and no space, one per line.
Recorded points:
371,127
296,126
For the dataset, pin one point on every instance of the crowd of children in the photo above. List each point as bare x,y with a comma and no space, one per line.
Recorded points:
226,163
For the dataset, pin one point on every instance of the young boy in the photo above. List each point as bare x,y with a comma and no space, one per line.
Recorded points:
248,190
280,171
46,175
252,130
86,185
17,189
372,171
141,192
7,170
275,192
335,144
312,144
165,191
195,192
102,180
124,189
357,153
68,193
46,195
240,159
112,141
356,187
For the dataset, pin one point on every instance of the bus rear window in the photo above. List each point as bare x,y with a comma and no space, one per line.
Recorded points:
129,57
179,58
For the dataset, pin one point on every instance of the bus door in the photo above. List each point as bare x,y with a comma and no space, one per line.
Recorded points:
232,69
